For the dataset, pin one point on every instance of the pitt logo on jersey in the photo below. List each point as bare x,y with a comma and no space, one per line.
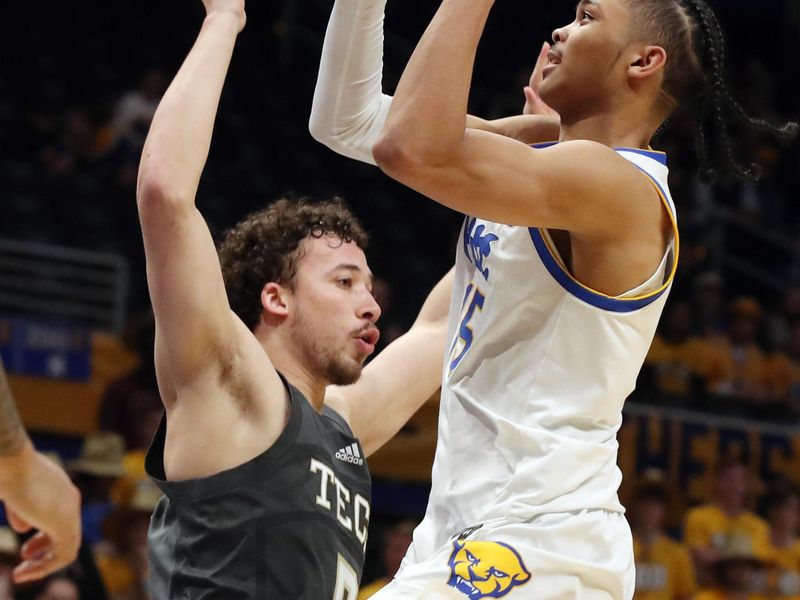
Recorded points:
486,569
477,245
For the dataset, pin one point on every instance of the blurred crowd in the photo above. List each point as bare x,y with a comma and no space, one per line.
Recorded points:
731,357
75,104
740,545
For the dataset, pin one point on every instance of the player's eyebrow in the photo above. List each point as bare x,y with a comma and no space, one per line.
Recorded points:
354,269
590,2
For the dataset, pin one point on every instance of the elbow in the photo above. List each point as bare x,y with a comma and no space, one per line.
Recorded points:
407,158
157,196
320,130
394,156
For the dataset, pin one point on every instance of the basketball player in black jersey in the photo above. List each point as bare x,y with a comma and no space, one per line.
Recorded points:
261,453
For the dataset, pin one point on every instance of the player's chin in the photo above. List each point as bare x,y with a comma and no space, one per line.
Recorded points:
346,370
546,92
552,90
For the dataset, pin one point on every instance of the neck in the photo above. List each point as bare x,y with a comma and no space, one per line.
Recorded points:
310,386
613,128
287,360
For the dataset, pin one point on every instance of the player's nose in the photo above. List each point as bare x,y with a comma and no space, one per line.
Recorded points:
560,35
369,309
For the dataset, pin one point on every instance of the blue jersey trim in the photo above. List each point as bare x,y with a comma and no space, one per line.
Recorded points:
596,299
655,155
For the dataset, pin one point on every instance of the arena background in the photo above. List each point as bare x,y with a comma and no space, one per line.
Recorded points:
76,83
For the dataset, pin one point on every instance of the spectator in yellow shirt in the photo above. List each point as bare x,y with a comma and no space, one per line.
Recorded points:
710,527
676,358
396,540
740,364
783,375
664,569
782,506
737,571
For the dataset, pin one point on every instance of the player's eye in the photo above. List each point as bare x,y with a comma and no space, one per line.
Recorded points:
586,16
345,282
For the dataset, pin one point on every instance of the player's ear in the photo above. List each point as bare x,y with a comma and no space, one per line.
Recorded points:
275,301
646,61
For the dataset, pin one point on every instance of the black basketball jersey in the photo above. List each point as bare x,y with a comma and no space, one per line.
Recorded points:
288,524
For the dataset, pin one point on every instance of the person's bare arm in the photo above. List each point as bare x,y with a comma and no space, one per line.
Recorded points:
37,494
12,435
525,128
578,186
196,332
401,378
350,108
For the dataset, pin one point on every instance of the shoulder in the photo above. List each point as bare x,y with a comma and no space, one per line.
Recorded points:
602,173
589,156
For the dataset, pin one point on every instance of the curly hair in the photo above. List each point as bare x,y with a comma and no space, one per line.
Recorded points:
266,246
695,76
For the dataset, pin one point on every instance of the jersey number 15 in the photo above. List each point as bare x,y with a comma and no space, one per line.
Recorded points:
473,301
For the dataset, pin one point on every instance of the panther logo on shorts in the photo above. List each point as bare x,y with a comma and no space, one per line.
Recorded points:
486,569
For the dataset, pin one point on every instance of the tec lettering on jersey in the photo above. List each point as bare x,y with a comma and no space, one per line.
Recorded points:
351,510
478,244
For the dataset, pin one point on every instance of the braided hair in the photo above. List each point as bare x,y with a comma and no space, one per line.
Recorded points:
694,78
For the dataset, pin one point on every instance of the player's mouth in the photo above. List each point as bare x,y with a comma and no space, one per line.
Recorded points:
366,340
553,60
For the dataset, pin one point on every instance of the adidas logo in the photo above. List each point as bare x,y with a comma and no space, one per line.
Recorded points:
350,454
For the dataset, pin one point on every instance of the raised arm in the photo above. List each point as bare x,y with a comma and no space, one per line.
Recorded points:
195,329
37,494
401,378
426,144
350,108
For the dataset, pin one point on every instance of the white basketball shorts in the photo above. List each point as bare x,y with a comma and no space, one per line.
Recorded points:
582,555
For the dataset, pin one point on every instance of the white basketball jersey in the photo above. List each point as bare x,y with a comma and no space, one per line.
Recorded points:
538,370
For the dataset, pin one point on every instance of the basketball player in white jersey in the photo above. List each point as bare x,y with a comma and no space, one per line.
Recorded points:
568,254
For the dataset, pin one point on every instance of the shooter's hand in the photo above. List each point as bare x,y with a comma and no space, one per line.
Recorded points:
534,105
